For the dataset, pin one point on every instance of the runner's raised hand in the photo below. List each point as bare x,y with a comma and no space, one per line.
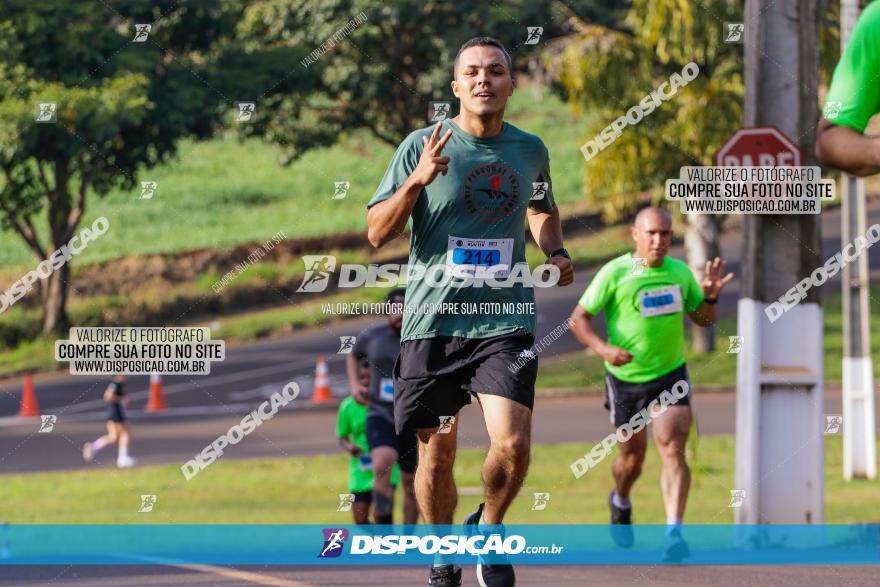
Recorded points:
431,162
713,282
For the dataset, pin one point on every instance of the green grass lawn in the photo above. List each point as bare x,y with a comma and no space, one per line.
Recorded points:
223,192
305,490
583,369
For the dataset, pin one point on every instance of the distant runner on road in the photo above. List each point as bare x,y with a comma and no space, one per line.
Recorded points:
469,191
117,426
644,296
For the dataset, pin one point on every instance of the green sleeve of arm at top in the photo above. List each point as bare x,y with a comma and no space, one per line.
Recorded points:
854,95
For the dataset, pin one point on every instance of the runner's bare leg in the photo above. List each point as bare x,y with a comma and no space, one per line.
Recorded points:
410,504
670,435
627,467
509,425
435,487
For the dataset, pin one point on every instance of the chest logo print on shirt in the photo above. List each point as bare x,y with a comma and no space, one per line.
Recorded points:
490,192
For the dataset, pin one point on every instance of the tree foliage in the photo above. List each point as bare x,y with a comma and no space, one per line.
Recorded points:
382,74
121,105
607,69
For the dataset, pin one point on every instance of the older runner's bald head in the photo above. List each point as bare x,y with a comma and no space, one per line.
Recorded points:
652,233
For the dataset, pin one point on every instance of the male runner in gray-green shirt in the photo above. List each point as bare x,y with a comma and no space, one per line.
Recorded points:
469,193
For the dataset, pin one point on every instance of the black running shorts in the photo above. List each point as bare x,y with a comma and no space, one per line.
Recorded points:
624,400
380,432
363,496
435,377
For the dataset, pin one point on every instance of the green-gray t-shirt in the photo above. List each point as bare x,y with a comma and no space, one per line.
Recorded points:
854,95
644,313
472,216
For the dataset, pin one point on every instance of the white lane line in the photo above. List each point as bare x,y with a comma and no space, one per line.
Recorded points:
247,576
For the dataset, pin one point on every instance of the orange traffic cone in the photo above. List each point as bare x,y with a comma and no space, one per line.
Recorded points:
29,406
156,403
322,383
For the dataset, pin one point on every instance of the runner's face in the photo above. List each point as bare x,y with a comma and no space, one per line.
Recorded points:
653,235
483,81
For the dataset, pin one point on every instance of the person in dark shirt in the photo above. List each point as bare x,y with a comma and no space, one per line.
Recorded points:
379,346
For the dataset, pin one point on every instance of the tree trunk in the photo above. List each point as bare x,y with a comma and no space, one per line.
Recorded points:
55,303
702,242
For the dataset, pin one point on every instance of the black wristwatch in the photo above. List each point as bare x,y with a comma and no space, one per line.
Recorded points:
562,252
709,301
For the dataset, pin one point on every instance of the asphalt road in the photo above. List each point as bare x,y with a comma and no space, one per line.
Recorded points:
534,576
204,407
309,431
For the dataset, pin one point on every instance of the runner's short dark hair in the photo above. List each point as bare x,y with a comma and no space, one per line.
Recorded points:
396,293
482,42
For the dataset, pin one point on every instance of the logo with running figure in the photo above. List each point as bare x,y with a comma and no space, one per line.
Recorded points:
340,189
533,34
346,345
47,423
541,501
46,112
334,540
346,500
446,423
831,110
141,32
737,497
539,190
318,270
438,111
147,503
833,424
490,192
736,343
638,266
734,32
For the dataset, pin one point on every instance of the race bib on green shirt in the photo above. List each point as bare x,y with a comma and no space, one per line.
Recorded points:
660,301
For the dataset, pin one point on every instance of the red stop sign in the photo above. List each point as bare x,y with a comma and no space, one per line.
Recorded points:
758,146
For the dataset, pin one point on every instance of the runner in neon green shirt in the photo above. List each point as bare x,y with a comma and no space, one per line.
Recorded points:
351,424
628,297
645,296
853,98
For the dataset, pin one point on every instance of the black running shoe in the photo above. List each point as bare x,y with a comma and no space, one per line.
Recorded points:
494,575
472,521
621,524
676,548
445,576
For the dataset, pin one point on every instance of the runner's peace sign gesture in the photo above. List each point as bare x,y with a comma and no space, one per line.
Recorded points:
431,163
